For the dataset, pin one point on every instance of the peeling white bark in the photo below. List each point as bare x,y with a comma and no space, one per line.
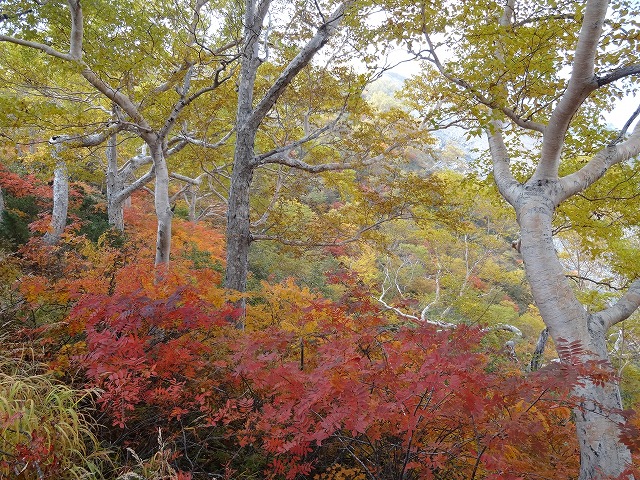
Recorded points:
597,420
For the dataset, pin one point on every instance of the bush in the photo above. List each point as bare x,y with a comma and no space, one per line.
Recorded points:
43,433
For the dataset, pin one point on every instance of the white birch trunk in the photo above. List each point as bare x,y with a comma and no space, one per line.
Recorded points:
162,207
60,204
603,455
115,185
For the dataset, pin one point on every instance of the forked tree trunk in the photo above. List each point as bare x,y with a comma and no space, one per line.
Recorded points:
60,204
248,120
603,455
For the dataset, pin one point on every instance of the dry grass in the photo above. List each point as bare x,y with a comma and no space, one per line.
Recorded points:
43,433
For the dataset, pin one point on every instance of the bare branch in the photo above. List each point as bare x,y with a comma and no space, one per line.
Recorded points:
204,143
617,74
622,309
86,140
504,326
38,46
628,123
590,280
189,180
264,157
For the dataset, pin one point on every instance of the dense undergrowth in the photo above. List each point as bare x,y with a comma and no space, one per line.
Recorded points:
108,373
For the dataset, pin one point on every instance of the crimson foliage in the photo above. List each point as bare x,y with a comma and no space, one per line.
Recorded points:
389,401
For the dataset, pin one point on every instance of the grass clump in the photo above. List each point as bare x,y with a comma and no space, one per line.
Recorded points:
43,432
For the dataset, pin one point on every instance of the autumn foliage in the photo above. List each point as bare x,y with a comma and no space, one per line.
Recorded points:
312,388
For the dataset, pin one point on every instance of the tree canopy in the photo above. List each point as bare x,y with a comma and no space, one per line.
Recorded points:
231,228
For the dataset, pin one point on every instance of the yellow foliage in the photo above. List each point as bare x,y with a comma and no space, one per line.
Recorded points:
341,472
364,264
283,304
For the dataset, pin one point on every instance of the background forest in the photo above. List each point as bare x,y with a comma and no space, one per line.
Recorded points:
234,243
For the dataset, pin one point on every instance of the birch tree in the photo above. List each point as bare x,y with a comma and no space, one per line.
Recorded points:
137,107
507,78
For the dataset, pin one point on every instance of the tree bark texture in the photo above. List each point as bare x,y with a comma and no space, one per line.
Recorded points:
60,204
238,232
248,120
538,352
603,455
162,206
115,185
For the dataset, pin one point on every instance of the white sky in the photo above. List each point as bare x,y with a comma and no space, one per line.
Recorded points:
617,117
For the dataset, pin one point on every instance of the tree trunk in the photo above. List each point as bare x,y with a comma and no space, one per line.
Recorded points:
115,185
192,195
1,204
238,232
538,352
603,455
164,213
60,204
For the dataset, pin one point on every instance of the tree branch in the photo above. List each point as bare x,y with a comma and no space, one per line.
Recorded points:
137,184
590,280
509,113
204,143
38,46
192,181
623,308
628,123
599,164
617,74
298,63
505,181
86,140
581,83
264,157
77,30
